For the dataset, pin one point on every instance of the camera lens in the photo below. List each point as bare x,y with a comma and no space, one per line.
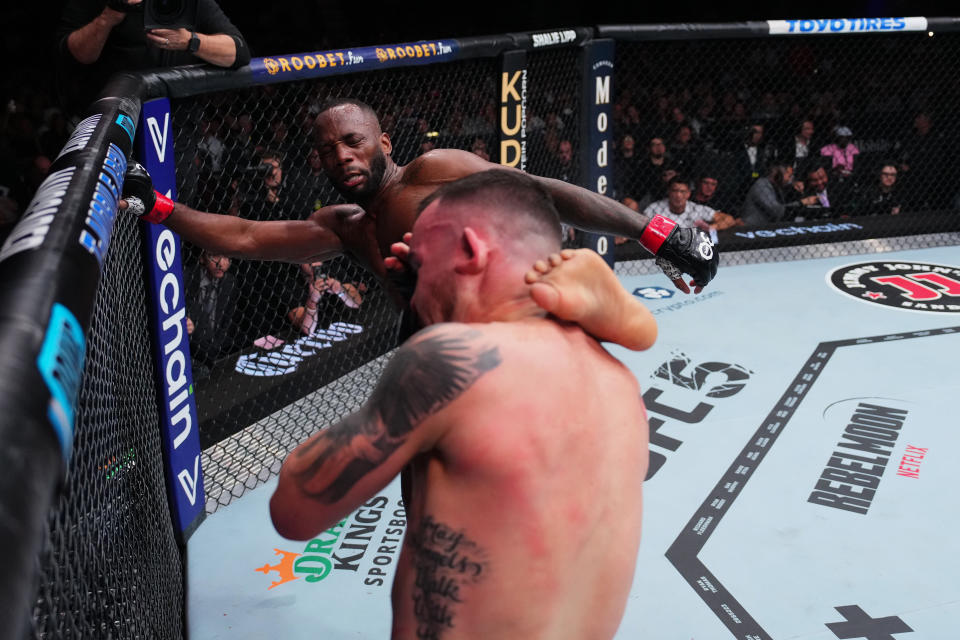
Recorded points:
168,8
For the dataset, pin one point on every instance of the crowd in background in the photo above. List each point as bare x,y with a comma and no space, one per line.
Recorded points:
713,134
720,144
778,106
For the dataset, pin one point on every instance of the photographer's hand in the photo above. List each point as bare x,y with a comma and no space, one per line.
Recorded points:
86,43
169,39
219,48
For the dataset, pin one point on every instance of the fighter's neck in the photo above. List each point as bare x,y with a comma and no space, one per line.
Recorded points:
392,175
515,309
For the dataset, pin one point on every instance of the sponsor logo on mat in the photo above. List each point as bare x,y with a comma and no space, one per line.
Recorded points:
365,544
914,286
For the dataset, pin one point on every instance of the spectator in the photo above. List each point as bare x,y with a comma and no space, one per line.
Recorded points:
732,124
239,139
266,180
313,312
211,295
483,122
772,197
684,149
706,194
267,289
842,153
651,171
452,128
626,172
798,148
923,158
830,201
632,122
98,39
566,168
706,191
704,121
479,148
677,206
566,171
278,138
751,160
308,185
882,197
768,109
211,150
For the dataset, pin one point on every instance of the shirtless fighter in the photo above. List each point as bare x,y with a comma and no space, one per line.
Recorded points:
355,155
526,441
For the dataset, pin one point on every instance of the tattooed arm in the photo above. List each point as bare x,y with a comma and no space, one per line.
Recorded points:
331,474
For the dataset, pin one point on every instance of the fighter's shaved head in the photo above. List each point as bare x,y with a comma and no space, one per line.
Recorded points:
333,103
509,203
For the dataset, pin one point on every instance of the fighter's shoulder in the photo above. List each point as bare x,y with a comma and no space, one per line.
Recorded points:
445,337
439,364
443,165
335,216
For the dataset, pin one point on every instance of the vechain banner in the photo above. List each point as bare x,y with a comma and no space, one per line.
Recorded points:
845,25
178,408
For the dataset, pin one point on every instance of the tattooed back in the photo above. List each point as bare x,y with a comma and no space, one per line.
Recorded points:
525,514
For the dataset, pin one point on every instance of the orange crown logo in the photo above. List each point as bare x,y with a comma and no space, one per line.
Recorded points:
284,568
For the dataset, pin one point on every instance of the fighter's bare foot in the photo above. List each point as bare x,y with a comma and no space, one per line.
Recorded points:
578,286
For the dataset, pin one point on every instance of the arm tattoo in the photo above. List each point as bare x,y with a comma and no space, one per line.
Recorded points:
429,376
447,563
425,375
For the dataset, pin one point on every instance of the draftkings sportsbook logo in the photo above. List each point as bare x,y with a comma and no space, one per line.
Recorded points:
913,286
366,544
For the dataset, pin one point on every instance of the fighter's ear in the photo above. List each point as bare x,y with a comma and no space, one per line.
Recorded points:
473,254
385,143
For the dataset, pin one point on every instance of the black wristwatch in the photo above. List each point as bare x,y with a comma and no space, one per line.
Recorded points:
194,43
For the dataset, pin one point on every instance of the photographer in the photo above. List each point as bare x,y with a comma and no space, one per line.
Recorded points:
98,39
267,290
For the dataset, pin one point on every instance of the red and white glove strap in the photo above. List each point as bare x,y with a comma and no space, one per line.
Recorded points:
161,209
656,233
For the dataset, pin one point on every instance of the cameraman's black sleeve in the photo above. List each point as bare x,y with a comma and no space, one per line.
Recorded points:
212,20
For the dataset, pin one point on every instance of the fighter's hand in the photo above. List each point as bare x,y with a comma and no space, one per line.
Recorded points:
681,250
402,276
141,199
399,261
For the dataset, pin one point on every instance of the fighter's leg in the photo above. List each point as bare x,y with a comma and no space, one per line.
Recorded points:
578,286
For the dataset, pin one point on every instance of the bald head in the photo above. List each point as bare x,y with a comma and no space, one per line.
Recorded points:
335,103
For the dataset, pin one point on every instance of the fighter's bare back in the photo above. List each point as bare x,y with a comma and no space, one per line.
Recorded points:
525,509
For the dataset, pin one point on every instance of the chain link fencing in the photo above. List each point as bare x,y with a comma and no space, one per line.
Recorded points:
110,566
849,137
